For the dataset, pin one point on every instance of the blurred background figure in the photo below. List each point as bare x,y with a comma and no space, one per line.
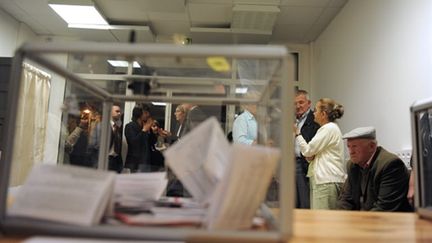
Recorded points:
308,128
77,140
245,128
115,161
194,116
180,116
157,144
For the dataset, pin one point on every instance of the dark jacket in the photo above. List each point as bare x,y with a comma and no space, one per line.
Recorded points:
385,184
138,152
308,131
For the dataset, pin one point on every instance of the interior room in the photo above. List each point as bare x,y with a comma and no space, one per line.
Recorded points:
371,56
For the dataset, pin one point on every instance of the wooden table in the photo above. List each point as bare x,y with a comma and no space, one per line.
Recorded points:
349,226
346,226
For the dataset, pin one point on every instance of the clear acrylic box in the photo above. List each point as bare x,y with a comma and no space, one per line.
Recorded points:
94,76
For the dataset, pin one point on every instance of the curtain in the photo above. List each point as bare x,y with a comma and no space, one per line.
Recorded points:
30,128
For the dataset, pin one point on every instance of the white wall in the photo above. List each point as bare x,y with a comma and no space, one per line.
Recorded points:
13,34
376,59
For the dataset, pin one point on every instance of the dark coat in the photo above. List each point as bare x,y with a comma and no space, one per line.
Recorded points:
310,127
385,185
138,152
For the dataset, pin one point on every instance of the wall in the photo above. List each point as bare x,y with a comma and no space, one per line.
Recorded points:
13,34
375,58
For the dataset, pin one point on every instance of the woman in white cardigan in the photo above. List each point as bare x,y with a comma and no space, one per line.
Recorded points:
325,153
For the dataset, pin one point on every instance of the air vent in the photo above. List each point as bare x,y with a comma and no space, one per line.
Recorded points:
254,18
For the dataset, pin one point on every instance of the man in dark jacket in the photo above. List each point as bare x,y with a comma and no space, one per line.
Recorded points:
308,128
377,179
137,133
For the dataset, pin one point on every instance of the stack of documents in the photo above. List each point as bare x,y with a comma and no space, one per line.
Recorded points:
68,194
231,179
135,190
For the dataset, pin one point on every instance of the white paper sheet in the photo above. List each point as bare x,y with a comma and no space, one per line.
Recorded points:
199,159
134,189
243,187
68,194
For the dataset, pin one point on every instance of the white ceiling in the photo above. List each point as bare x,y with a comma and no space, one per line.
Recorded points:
205,21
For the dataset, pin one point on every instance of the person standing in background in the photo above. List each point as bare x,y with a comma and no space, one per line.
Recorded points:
175,188
137,133
245,129
194,116
115,161
325,153
308,128
180,116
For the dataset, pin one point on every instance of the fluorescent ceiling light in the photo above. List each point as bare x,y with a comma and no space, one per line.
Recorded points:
241,90
78,12
159,103
90,26
119,63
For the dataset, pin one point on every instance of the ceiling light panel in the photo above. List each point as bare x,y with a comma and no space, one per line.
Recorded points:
78,12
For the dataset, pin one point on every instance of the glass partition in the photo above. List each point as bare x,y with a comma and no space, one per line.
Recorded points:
109,89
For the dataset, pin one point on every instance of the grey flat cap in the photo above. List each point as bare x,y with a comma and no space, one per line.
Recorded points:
360,132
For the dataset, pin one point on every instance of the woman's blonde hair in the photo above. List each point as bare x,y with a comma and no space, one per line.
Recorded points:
331,108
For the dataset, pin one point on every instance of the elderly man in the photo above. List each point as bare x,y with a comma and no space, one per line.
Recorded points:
308,128
377,179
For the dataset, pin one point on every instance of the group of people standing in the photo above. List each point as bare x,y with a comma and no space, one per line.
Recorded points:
144,137
373,179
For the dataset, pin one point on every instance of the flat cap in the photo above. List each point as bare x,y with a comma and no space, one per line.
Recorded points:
360,132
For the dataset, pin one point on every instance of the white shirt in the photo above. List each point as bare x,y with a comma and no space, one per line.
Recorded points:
328,148
299,123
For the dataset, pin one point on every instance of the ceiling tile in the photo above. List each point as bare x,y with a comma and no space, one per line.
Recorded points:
313,33
337,3
305,3
93,35
169,28
142,35
219,14
210,2
290,32
298,15
258,2
327,16
156,16
141,5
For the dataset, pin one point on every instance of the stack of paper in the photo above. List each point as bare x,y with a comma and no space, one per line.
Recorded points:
68,194
233,180
134,190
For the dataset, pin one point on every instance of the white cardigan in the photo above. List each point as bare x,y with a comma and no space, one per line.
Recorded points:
328,148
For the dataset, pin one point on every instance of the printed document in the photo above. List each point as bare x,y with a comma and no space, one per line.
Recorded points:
68,194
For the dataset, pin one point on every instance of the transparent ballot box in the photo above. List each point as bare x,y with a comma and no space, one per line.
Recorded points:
421,121
149,141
